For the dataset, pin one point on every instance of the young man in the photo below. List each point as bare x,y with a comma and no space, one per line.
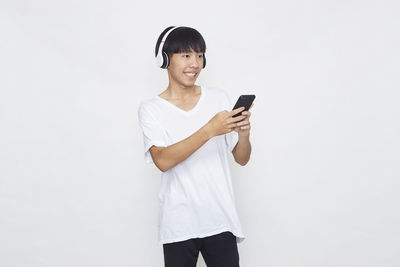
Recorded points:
188,133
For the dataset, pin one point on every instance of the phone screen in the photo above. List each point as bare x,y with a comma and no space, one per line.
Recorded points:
244,101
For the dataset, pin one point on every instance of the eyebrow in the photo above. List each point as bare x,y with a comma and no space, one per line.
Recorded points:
191,52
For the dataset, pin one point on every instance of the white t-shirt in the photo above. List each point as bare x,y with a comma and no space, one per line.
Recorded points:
196,198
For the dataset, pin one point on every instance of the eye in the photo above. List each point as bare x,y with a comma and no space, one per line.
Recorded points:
200,56
186,56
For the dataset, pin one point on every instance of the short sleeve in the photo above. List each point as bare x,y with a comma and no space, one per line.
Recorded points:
153,134
231,140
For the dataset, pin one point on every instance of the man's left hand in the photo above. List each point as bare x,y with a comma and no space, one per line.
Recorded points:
243,127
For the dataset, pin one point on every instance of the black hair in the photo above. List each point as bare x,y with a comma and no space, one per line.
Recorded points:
182,40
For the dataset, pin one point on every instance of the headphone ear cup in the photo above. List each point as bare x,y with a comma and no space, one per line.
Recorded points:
165,60
159,60
204,61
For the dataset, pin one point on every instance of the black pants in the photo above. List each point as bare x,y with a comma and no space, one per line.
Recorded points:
217,250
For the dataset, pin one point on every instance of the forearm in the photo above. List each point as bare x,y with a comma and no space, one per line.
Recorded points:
167,157
242,150
170,156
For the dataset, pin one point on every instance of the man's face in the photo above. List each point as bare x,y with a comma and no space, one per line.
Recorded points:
184,68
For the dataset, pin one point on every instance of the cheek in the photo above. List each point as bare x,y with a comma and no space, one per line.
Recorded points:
176,67
177,72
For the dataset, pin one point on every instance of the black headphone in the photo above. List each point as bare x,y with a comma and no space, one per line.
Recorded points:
162,58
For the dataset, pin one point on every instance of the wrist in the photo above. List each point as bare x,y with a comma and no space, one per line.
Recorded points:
244,138
206,132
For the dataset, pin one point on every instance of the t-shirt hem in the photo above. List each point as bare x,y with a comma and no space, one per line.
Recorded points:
239,236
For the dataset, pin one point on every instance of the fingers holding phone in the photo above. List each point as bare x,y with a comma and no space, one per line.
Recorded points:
236,120
243,126
224,122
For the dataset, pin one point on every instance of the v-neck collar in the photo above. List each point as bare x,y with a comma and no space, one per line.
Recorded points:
187,113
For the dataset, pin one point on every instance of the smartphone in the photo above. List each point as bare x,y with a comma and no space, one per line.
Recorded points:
244,101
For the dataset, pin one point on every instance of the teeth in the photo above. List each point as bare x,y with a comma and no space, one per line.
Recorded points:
190,74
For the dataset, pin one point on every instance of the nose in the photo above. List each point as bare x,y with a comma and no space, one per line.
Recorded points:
196,61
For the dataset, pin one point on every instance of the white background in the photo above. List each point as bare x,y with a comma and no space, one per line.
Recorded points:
322,186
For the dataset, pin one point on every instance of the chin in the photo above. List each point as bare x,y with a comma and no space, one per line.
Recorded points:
189,84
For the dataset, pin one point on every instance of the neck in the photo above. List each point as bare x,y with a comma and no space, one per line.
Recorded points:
180,91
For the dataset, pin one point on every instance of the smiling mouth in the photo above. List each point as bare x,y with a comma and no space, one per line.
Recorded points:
190,74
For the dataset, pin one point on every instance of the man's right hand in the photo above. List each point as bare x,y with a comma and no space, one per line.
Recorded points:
223,122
